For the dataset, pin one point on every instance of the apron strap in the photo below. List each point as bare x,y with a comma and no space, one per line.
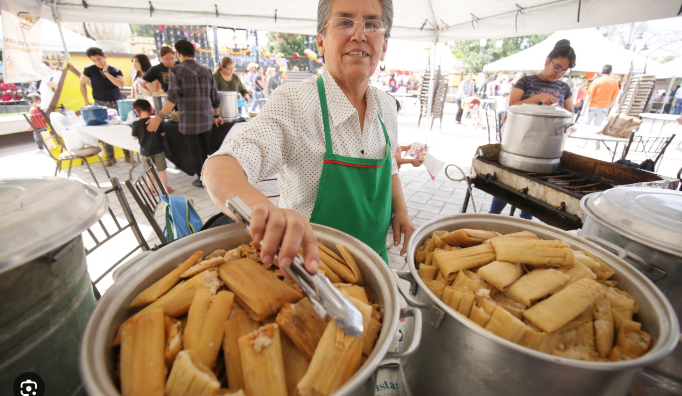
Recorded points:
325,115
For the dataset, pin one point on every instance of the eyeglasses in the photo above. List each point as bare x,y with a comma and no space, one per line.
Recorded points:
228,68
558,68
346,26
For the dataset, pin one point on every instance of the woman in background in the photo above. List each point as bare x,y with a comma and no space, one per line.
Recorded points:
273,83
226,80
141,88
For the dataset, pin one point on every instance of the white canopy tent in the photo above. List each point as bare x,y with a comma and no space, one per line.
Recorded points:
422,20
592,50
413,56
670,69
52,41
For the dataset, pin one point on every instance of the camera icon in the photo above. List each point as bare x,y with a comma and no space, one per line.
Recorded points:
28,388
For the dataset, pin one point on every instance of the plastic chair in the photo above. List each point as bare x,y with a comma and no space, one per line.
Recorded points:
41,125
651,146
147,190
110,231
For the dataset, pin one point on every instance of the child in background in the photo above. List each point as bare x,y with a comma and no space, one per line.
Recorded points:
34,101
151,143
475,112
416,162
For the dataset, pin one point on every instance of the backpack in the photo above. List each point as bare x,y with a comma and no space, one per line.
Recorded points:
182,218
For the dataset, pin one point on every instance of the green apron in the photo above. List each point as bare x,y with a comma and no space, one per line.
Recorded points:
355,193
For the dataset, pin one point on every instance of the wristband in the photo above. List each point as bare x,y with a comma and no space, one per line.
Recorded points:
216,116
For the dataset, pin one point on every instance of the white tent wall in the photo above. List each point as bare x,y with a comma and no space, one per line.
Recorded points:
592,50
422,20
52,41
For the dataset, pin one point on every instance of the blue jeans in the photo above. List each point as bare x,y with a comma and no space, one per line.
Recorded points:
498,206
678,107
38,139
256,95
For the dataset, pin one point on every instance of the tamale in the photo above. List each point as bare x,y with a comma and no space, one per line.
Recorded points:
467,237
510,305
540,341
622,302
143,367
176,302
173,328
636,342
351,290
196,317
577,272
515,236
441,279
562,307
190,377
261,293
370,336
303,325
435,287
621,322
420,255
459,299
336,359
208,345
438,243
262,362
483,300
603,327
333,278
456,260
535,252
427,271
350,262
586,316
618,354
239,324
470,281
535,285
429,259
500,274
295,364
506,325
430,244
600,268
340,268
479,316
203,266
153,292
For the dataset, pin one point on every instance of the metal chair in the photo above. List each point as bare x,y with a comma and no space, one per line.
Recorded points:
147,190
110,231
650,146
41,125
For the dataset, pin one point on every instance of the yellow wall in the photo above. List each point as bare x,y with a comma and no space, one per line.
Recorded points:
121,61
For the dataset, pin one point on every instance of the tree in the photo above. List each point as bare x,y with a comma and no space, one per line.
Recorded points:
650,40
291,43
475,57
142,30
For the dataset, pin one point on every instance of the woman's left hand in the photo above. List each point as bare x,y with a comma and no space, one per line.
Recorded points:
402,225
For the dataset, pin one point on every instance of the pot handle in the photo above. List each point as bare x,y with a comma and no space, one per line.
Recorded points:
416,336
652,272
565,127
436,315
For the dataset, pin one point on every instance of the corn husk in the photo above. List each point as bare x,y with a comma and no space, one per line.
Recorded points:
196,318
143,366
506,325
190,377
203,266
303,325
535,285
500,274
262,362
295,364
153,292
173,328
427,272
467,237
355,291
239,324
208,344
461,259
350,262
535,252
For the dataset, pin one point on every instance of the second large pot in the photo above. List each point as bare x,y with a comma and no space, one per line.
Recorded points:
98,363
461,358
534,137
229,110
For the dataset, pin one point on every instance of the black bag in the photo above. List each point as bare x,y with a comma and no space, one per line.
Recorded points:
647,165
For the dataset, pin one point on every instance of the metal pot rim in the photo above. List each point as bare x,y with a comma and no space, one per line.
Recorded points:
649,358
95,374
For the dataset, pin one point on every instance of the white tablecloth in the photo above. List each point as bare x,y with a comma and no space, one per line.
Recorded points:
116,135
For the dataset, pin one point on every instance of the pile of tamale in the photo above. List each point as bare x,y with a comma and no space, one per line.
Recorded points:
226,324
537,293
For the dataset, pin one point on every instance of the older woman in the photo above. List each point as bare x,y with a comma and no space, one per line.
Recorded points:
331,141
226,80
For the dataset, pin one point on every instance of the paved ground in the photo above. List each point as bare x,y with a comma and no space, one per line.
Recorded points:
426,198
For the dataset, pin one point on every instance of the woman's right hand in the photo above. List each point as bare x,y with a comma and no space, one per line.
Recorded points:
286,231
546,99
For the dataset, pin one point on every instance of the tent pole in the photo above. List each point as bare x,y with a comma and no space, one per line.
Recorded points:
59,26
667,93
215,44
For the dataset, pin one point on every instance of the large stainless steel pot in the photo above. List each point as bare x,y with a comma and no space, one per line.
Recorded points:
229,110
46,294
534,137
644,226
98,363
459,357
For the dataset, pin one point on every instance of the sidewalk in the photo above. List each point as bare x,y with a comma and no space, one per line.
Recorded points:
426,198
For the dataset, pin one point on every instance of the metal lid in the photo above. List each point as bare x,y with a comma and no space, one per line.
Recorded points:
539,110
41,214
650,215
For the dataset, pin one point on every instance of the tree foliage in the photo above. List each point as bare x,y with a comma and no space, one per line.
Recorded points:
142,30
475,57
291,43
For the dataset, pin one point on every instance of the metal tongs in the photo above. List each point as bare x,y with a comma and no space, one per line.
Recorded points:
326,299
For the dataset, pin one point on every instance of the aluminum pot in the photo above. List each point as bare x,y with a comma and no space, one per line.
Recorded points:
643,225
159,101
459,357
534,137
229,110
97,360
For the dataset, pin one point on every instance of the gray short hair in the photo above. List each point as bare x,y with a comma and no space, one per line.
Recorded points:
324,8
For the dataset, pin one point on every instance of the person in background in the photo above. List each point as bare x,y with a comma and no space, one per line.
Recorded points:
544,88
392,83
259,87
192,87
465,89
501,105
579,97
670,98
601,96
106,82
331,139
34,101
151,143
226,80
141,87
250,75
678,101
157,75
273,83
47,87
